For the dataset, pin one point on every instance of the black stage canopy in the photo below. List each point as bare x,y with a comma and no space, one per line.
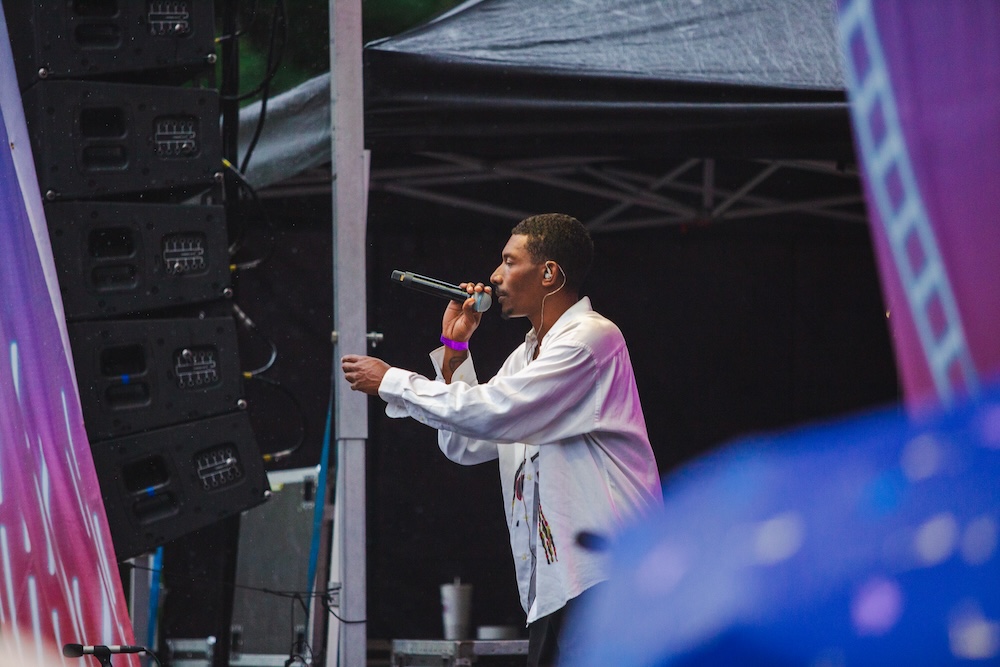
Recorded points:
721,78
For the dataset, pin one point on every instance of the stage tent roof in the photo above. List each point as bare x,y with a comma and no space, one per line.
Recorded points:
665,111
742,78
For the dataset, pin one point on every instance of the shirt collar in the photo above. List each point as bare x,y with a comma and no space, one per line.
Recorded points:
581,306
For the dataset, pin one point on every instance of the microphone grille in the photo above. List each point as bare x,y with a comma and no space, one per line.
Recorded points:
483,302
72,650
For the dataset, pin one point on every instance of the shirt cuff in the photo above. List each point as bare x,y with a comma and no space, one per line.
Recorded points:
466,371
390,390
393,382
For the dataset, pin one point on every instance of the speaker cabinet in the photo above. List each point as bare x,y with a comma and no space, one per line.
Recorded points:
165,483
110,38
96,139
119,258
143,374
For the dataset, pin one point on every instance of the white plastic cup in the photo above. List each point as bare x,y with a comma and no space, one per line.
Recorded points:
456,609
496,632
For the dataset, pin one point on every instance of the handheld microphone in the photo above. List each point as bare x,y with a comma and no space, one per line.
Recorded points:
443,289
79,650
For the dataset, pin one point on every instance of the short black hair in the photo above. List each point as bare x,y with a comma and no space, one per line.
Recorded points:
562,239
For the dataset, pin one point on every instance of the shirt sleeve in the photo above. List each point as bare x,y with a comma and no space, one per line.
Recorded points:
458,448
551,398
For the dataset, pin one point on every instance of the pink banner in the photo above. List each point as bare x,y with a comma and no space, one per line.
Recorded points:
58,579
924,83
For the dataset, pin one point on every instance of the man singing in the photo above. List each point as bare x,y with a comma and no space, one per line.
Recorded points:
562,417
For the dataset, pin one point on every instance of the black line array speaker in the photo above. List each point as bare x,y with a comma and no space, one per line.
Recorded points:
96,139
171,481
119,258
143,374
127,143
79,39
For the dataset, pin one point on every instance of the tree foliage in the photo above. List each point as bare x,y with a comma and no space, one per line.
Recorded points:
306,50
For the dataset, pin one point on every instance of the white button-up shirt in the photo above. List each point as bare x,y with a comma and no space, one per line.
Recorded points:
566,425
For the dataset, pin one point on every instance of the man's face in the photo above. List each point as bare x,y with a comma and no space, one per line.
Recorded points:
517,282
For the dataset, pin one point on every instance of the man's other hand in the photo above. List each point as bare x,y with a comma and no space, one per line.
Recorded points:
363,373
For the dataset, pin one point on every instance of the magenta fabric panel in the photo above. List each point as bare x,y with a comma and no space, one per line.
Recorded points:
59,582
933,199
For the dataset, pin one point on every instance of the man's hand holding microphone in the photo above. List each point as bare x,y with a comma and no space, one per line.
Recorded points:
459,322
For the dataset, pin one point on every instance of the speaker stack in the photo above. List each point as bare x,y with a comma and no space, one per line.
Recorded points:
128,150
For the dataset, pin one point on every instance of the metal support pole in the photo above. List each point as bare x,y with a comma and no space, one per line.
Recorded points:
348,635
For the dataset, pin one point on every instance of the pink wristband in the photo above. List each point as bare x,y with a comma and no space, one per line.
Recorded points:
455,344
